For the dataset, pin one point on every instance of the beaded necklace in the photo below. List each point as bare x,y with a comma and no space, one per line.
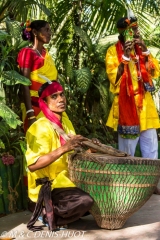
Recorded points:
39,52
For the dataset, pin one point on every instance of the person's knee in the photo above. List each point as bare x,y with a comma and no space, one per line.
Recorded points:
87,201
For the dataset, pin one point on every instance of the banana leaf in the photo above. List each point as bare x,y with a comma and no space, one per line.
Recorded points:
12,77
9,116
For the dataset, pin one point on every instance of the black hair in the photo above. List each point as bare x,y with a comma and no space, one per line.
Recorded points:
37,25
121,23
121,38
42,88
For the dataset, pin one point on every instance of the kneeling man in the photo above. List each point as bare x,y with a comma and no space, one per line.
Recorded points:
49,140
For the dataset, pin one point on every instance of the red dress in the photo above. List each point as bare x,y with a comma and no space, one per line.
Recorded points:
39,66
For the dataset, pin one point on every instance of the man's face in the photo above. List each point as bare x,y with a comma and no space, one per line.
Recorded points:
57,102
136,33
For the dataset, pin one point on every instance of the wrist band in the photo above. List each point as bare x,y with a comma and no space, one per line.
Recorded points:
124,61
126,58
31,117
146,53
30,110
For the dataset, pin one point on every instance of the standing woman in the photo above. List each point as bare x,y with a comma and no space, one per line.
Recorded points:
36,64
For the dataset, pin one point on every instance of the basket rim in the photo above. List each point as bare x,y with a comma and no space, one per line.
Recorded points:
104,158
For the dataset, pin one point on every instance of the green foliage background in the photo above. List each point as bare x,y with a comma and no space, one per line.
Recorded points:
82,32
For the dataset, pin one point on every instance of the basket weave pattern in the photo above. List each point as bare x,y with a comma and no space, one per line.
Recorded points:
119,185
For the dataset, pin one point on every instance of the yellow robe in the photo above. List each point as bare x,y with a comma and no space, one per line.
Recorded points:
42,138
148,115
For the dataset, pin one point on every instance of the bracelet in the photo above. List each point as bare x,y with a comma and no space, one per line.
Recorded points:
31,117
126,58
146,53
124,61
30,110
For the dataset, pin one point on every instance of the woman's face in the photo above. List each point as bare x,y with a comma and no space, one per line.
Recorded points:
44,34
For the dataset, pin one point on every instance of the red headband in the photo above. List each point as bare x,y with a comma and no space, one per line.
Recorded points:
49,90
133,24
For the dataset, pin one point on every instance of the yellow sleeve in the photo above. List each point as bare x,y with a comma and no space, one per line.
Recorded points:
42,138
39,142
156,66
112,64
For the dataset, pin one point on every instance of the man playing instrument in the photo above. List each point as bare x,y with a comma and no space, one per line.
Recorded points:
130,67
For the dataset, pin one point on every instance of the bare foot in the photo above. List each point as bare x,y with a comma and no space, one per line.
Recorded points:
62,227
156,191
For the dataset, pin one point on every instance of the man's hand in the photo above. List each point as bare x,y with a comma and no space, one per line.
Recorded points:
74,142
127,48
141,43
96,142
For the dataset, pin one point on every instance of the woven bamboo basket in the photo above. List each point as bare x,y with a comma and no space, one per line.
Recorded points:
118,185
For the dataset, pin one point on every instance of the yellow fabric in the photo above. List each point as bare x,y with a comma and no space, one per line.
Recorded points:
41,140
48,70
148,115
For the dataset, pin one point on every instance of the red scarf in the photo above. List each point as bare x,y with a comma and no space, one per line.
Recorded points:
49,90
146,76
128,117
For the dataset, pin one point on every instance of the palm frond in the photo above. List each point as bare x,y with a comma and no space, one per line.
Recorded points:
84,37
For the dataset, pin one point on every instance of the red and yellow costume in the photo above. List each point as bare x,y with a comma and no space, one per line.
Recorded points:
28,58
133,106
